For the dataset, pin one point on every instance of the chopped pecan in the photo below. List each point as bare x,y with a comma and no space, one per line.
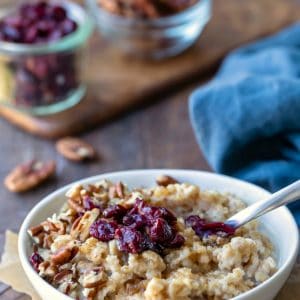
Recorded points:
75,149
62,276
93,278
75,206
120,189
46,269
81,230
112,192
35,230
29,175
165,180
63,255
177,5
116,191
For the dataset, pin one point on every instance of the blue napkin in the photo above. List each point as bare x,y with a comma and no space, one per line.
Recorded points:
247,119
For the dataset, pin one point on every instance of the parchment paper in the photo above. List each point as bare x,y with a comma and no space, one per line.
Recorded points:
11,271
12,274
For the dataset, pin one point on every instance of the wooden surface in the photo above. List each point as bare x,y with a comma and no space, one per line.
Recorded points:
117,83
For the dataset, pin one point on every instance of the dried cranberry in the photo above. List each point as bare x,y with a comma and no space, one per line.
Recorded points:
130,240
135,221
161,232
103,230
68,26
115,211
203,228
164,213
36,260
41,19
194,220
59,13
177,242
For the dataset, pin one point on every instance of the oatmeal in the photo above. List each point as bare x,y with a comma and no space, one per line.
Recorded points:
163,242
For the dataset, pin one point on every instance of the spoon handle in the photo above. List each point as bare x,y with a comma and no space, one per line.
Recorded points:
282,197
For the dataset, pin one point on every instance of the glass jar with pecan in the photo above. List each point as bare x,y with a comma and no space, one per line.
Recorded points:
41,55
152,29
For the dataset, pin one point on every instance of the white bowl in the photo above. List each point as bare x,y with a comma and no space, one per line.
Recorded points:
279,224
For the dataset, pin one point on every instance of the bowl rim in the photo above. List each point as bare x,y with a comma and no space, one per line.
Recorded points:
29,271
187,15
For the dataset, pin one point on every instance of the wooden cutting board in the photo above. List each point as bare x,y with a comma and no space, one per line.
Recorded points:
118,83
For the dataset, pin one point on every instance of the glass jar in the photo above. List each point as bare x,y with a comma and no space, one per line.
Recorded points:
155,38
46,78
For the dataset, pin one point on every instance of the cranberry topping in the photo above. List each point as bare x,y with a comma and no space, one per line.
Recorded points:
204,229
35,260
161,232
139,228
35,23
130,240
103,230
115,211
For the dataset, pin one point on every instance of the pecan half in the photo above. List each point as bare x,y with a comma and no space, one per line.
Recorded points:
62,276
165,180
75,206
63,255
75,149
29,175
93,278
177,5
35,230
81,228
46,269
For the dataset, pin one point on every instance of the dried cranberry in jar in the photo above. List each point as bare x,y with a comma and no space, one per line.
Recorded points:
47,78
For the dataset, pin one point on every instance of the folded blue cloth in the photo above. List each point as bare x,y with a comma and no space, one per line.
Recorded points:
247,119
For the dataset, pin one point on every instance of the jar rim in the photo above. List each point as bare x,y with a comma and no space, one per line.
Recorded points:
70,41
181,17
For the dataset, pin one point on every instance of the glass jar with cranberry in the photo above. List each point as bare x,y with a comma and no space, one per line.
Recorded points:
42,54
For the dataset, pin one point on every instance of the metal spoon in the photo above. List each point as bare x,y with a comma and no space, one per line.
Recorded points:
284,196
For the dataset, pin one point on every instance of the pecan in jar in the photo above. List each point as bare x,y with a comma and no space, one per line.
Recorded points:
29,175
165,180
75,149
145,9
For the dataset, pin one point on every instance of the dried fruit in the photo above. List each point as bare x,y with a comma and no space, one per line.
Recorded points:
41,79
130,240
35,260
138,228
75,149
29,175
103,230
161,232
204,229
165,180
115,211
36,23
